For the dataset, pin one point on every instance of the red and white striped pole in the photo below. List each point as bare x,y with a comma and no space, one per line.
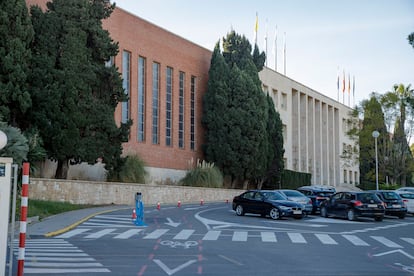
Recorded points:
23,217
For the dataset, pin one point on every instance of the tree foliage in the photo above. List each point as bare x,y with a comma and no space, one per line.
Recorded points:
236,113
74,93
411,39
16,34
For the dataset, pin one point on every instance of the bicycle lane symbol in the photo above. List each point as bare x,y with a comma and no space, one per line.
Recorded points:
177,244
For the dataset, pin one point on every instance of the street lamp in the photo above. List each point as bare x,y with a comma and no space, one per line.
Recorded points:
375,134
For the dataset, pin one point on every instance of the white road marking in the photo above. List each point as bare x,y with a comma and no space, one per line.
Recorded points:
99,234
128,234
239,236
268,236
296,238
72,233
172,271
386,242
355,240
211,235
183,234
325,239
409,240
156,234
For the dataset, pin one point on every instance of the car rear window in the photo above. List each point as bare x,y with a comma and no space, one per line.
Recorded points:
407,195
390,195
325,194
293,193
367,197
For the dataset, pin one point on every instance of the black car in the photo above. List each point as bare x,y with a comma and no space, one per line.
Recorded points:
352,205
266,202
393,203
317,194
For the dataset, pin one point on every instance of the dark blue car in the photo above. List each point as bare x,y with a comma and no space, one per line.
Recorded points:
267,203
317,194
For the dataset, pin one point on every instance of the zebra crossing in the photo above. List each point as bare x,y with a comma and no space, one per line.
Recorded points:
57,256
238,236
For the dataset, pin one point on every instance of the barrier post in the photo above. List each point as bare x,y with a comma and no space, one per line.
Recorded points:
23,218
139,209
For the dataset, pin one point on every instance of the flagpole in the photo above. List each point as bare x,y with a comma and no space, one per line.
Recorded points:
284,53
266,43
349,90
343,88
353,89
337,82
275,48
256,26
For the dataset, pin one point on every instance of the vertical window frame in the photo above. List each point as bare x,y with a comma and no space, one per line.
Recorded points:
155,102
181,113
126,85
142,62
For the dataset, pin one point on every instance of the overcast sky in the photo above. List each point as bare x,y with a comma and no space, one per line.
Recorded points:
365,39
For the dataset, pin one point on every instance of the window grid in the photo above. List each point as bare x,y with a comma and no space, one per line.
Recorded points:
168,107
155,101
192,116
181,111
141,99
126,61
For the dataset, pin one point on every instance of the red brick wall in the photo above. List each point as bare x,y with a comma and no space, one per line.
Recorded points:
155,44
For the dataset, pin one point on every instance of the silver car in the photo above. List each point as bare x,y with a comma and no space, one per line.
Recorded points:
297,196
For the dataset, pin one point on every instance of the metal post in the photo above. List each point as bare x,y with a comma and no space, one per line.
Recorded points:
375,134
13,218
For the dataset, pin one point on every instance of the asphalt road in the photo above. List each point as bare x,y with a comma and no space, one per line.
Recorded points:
210,239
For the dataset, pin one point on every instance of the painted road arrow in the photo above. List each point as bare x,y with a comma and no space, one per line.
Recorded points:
170,271
171,223
394,251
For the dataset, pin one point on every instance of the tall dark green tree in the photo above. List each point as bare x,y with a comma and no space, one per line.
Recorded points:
16,34
236,112
276,151
411,39
74,92
373,120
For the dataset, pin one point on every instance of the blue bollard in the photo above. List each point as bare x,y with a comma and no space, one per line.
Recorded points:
139,208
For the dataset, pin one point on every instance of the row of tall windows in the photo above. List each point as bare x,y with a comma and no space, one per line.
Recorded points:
155,96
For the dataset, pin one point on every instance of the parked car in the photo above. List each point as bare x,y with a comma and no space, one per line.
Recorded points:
406,189
297,196
266,202
352,205
317,194
393,203
408,199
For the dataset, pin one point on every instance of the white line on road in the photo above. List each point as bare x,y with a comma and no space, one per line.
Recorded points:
386,242
128,234
72,233
296,238
99,234
268,236
211,235
325,239
183,234
355,240
156,234
239,236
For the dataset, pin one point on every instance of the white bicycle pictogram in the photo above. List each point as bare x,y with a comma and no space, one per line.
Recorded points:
175,244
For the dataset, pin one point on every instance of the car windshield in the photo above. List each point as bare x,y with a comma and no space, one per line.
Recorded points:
390,195
367,197
273,196
293,194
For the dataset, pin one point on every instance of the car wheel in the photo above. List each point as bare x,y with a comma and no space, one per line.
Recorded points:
239,210
351,214
324,212
380,218
274,213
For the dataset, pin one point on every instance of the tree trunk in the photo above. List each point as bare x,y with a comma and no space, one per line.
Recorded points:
62,169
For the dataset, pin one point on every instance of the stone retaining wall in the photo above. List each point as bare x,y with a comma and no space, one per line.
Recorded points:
97,193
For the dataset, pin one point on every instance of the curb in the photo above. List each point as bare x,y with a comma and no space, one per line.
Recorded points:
73,225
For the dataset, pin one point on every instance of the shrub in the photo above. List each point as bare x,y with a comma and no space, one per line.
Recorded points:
131,171
203,175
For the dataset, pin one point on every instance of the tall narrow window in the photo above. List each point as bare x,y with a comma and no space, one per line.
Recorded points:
192,116
168,107
181,111
155,100
141,99
126,81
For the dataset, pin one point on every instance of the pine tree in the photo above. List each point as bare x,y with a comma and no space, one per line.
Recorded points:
74,93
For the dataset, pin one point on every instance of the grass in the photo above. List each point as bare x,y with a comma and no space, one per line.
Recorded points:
45,209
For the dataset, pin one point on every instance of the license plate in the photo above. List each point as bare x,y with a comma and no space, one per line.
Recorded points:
396,206
297,212
372,205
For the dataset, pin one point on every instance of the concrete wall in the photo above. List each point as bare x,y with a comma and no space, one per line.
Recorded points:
85,192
